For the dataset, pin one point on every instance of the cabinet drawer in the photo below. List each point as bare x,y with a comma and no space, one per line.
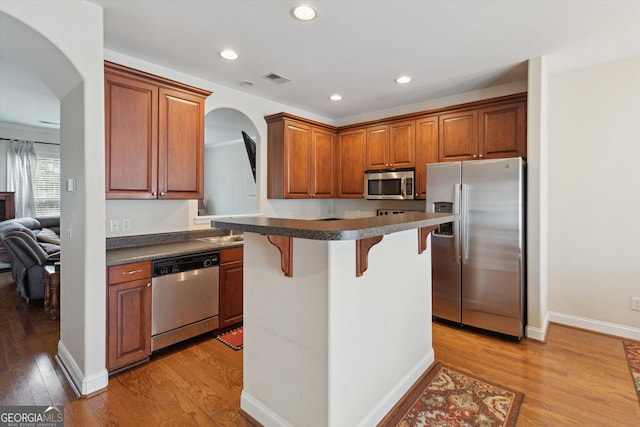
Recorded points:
232,254
127,272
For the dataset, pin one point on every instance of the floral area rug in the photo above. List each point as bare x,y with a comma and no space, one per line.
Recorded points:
448,397
632,350
232,338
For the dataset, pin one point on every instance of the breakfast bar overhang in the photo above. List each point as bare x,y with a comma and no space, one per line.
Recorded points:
337,316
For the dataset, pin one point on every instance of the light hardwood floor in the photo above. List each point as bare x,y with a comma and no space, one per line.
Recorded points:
577,378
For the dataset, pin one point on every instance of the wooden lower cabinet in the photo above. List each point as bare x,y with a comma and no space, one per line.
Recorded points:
231,284
128,314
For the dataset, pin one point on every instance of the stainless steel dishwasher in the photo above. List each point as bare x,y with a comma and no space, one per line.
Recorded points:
184,298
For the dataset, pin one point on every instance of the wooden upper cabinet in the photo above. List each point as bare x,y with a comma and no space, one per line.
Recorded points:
297,148
426,151
154,136
181,145
131,125
337,158
402,146
503,131
378,147
391,146
322,184
300,160
458,136
351,163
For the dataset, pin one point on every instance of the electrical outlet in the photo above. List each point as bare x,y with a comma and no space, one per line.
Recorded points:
126,224
114,225
635,303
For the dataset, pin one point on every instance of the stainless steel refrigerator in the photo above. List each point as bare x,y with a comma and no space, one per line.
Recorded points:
478,262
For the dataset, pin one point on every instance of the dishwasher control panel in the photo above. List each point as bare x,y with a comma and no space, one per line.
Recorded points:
184,263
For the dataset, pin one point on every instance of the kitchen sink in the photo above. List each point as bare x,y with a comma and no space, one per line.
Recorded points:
224,240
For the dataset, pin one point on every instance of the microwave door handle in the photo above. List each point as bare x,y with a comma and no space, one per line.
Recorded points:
403,189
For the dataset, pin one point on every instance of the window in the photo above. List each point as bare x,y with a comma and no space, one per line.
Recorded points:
47,182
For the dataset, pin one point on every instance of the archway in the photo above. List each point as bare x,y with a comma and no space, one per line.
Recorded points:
69,63
229,184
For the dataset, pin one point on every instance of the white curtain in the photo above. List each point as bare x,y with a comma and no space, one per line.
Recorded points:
21,170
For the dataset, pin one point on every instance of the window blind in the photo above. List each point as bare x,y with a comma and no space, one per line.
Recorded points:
47,183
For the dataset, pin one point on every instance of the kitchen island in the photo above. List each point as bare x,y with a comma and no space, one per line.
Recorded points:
337,316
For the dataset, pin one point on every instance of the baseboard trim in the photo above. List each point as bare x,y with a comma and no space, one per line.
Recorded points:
255,410
83,384
593,325
252,407
538,334
390,400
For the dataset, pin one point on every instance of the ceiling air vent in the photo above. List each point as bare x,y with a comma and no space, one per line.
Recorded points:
276,78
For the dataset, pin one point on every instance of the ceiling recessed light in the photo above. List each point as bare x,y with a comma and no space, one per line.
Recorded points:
335,97
246,83
228,54
304,12
403,79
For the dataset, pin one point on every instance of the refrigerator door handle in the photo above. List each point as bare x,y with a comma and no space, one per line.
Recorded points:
464,218
456,224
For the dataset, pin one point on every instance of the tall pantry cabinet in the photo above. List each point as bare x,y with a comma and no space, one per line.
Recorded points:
154,136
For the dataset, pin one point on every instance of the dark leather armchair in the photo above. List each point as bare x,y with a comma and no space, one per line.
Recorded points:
28,258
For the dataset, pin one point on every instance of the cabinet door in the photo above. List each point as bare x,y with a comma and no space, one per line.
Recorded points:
297,148
502,131
322,162
231,280
128,323
378,147
131,143
352,161
402,146
458,136
426,151
181,146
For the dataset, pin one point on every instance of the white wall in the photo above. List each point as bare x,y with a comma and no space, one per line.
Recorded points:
594,197
537,200
61,42
228,182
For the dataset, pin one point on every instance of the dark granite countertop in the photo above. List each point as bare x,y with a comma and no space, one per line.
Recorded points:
336,229
163,249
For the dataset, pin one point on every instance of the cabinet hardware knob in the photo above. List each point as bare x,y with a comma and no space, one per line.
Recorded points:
153,193
480,156
131,272
474,156
163,193
148,285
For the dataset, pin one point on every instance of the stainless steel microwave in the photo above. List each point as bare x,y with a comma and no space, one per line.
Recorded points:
389,185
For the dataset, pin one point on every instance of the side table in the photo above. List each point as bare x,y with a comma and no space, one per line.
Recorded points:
51,285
